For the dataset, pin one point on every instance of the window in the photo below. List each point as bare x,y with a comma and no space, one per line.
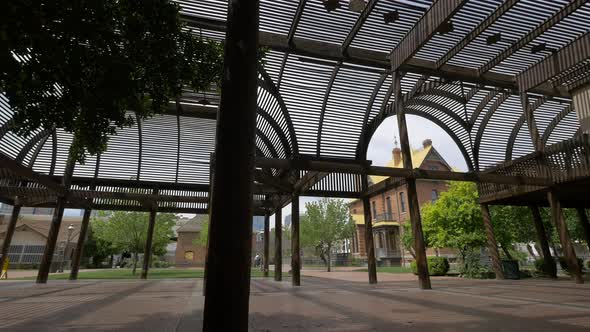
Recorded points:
374,209
353,211
434,195
189,255
388,207
402,201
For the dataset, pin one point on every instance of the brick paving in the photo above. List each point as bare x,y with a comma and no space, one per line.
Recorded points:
325,302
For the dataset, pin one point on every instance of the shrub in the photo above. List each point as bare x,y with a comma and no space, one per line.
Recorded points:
563,264
437,266
588,264
161,264
540,265
472,267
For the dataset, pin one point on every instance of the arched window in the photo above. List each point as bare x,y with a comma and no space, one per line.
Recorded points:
189,255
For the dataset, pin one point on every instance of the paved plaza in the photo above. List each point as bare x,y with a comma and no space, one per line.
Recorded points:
325,302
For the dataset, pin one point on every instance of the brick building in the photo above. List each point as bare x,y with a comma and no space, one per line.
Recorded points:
189,253
390,210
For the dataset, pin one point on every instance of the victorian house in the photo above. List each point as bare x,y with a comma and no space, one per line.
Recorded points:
389,210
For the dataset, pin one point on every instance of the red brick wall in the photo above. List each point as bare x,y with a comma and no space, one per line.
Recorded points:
184,244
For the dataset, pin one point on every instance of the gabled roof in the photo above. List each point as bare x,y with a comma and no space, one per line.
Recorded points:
193,225
418,158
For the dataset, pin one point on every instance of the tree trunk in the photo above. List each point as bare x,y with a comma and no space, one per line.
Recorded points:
506,252
135,258
329,258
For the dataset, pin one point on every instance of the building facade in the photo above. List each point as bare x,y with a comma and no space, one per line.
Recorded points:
189,253
390,210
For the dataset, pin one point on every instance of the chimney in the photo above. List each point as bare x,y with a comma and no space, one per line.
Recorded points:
426,143
397,155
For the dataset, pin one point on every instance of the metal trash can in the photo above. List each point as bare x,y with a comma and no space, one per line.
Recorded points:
511,270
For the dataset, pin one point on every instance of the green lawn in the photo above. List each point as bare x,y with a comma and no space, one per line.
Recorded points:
390,269
152,274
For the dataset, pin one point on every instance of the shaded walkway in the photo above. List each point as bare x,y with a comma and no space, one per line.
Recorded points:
321,304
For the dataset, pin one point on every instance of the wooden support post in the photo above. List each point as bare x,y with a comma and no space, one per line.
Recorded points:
279,244
583,217
227,288
147,251
369,246
295,247
564,237
550,267
10,231
265,255
414,205
492,245
80,245
56,219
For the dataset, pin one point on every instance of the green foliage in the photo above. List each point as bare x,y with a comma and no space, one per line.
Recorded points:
97,248
324,223
564,265
588,264
203,234
454,220
541,267
127,231
82,65
161,264
472,267
407,238
437,266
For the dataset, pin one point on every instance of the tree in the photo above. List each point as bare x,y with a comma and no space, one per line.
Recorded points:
97,248
82,65
127,231
513,224
455,219
203,237
324,223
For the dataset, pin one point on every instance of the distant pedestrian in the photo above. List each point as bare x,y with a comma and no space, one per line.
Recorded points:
257,261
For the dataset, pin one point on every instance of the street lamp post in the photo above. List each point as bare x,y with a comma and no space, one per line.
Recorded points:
63,258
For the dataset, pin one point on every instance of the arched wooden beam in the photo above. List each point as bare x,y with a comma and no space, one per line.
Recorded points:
37,150
30,144
290,36
441,108
378,85
275,126
5,128
449,132
53,152
516,129
267,84
441,93
324,104
140,146
483,125
482,105
267,142
178,110
553,124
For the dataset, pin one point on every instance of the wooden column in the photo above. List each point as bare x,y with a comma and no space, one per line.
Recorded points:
278,244
369,246
80,245
414,205
266,243
295,247
56,219
583,218
550,267
10,231
564,237
227,288
492,245
147,251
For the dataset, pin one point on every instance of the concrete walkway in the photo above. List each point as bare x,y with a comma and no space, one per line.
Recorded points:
325,303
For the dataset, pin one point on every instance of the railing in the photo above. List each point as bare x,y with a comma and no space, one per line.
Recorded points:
561,162
383,217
